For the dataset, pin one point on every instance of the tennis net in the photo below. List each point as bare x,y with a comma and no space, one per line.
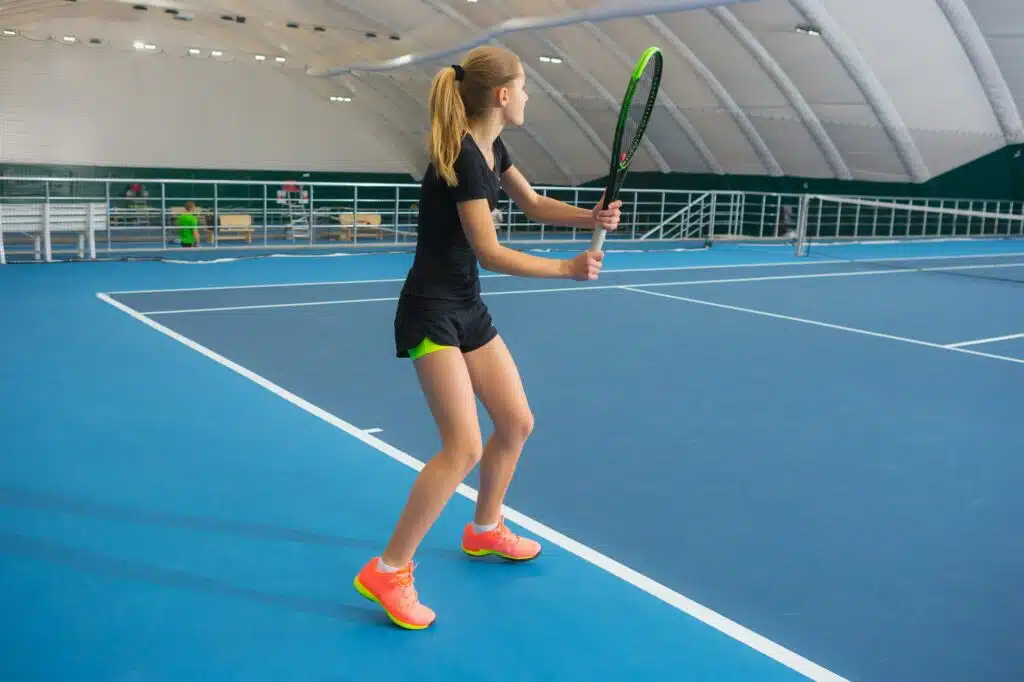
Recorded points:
910,235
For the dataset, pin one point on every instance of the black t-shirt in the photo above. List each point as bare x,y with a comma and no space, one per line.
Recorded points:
445,267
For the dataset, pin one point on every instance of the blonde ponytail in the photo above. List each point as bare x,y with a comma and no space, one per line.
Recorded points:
448,124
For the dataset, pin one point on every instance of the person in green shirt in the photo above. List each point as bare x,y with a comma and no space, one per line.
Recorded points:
188,222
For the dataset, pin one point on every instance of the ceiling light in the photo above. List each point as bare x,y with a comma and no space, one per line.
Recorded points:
138,45
280,60
807,29
216,53
193,50
9,32
335,98
149,46
260,58
69,39
551,60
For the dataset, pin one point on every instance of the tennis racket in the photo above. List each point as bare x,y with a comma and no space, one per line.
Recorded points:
635,112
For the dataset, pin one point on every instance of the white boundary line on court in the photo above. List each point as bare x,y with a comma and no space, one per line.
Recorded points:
734,630
584,287
839,327
978,342
718,266
540,290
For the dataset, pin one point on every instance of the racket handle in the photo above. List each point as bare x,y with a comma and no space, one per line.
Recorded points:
597,239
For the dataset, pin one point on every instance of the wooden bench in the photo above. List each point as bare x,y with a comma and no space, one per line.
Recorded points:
235,226
363,224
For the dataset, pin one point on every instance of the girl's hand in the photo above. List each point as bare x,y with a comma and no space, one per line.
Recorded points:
586,266
608,218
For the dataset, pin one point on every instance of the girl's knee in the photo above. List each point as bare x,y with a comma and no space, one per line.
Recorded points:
516,427
462,455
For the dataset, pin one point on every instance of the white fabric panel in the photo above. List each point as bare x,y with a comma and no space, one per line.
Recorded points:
569,144
1002,23
919,61
726,58
944,151
726,141
75,105
531,160
674,145
869,152
791,144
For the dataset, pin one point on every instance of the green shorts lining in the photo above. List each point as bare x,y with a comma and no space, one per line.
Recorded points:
425,347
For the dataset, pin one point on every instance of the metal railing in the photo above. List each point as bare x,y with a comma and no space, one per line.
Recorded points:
140,215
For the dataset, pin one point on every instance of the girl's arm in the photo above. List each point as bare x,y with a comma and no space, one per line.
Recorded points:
548,211
479,227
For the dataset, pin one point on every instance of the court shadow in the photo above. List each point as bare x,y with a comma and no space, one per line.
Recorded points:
32,499
123,569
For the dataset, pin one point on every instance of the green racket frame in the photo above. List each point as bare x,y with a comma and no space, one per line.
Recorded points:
622,158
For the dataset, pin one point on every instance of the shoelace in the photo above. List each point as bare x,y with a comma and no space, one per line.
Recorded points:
404,579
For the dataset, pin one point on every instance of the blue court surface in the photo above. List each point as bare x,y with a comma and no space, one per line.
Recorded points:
746,466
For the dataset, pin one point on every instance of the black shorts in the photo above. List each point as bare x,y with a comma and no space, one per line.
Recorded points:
467,326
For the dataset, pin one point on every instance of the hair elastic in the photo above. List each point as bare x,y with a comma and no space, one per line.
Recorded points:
460,73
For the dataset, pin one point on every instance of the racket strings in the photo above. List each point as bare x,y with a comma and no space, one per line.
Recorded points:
638,111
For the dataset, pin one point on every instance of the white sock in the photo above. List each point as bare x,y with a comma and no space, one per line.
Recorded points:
485,528
381,566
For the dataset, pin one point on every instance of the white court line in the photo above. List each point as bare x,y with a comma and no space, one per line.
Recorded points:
373,430
583,287
797,263
702,613
542,290
854,330
977,342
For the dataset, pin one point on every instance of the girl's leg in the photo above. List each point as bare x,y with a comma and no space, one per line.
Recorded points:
448,388
497,382
449,392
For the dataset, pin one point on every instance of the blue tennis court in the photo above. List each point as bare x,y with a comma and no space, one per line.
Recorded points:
746,466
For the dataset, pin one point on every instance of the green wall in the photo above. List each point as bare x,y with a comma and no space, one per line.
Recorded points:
999,175
995,176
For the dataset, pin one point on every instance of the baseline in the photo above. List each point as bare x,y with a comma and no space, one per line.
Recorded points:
672,268
587,287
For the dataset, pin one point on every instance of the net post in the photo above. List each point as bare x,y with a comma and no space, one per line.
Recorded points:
90,234
801,225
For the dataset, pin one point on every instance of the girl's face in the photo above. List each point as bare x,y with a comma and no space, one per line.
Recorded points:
512,99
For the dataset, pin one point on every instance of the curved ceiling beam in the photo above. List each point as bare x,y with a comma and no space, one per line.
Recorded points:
520,160
742,120
536,77
614,103
605,13
984,62
409,162
881,104
788,89
663,98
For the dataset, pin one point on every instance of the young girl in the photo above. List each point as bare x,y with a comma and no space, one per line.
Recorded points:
443,325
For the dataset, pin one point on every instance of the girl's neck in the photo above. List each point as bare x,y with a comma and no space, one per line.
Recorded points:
485,131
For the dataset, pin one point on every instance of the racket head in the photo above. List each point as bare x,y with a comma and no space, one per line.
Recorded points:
634,115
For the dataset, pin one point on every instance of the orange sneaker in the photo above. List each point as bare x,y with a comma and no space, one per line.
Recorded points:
500,541
395,592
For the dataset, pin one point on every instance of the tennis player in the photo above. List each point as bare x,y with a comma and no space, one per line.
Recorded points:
442,323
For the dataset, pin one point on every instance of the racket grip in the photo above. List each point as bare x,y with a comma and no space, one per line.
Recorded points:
597,239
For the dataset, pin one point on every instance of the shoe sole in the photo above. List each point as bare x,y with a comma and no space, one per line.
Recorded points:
361,589
509,557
